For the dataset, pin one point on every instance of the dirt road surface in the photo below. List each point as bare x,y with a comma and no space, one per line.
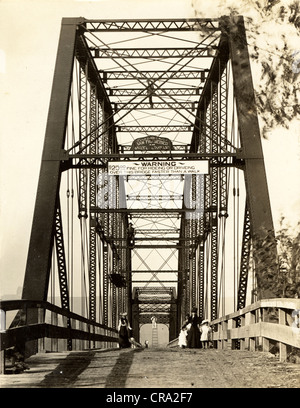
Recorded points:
156,368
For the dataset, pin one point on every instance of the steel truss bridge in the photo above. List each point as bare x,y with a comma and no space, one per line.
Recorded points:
146,91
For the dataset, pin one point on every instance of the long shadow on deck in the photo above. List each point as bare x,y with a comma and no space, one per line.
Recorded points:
118,375
66,373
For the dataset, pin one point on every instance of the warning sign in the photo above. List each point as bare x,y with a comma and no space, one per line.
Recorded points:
158,167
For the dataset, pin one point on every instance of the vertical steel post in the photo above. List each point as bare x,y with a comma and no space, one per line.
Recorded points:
37,272
214,122
92,191
255,174
245,257
62,267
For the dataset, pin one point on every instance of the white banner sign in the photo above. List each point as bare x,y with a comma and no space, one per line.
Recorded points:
158,167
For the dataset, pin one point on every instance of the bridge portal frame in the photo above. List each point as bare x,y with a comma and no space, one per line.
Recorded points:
54,161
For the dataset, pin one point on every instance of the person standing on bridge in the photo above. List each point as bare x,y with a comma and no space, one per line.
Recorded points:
186,321
125,331
182,338
205,330
130,235
150,92
193,337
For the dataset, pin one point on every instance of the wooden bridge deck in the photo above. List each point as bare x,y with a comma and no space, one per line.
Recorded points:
155,368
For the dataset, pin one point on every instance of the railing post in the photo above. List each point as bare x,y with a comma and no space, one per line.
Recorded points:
54,342
282,346
41,341
87,330
242,340
234,342
2,321
81,341
94,330
65,325
2,330
219,334
74,341
265,342
98,344
252,340
224,333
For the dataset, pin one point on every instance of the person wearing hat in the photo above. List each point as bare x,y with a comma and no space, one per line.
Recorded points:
124,330
193,337
205,330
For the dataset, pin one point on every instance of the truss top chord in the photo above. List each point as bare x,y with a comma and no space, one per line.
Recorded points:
151,25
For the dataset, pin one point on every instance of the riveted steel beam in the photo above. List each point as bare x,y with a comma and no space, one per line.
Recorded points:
153,25
258,199
154,129
199,74
153,53
120,92
37,272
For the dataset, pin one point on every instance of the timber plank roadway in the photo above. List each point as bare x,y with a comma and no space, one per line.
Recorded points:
155,368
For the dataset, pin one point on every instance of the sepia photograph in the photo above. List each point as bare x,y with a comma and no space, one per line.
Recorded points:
150,196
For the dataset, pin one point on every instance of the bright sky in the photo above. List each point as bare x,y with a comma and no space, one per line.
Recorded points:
29,31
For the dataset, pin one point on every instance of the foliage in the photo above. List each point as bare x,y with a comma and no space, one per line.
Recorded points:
273,29
277,93
280,277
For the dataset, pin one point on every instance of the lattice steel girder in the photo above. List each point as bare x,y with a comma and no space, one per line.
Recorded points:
255,174
153,53
155,271
153,75
156,105
140,210
61,259
41,240
245,257
154,128
158,25
92,233
214,205
154,239
160,197
84,58
157,231
184,148
156,301
218,65
176,246
223,90
167,291
83,127
62,267
161,318
193,91
154,309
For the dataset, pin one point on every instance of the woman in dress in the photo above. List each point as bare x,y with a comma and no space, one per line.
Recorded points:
124,330
193,337
182,338
205,330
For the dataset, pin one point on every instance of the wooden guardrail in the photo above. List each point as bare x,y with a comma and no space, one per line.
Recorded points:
52,322
257,326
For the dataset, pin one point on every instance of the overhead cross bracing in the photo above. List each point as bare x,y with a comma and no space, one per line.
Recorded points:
141,78
159,80
149,94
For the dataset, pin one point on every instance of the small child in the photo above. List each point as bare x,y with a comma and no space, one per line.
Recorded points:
182,338
205,330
